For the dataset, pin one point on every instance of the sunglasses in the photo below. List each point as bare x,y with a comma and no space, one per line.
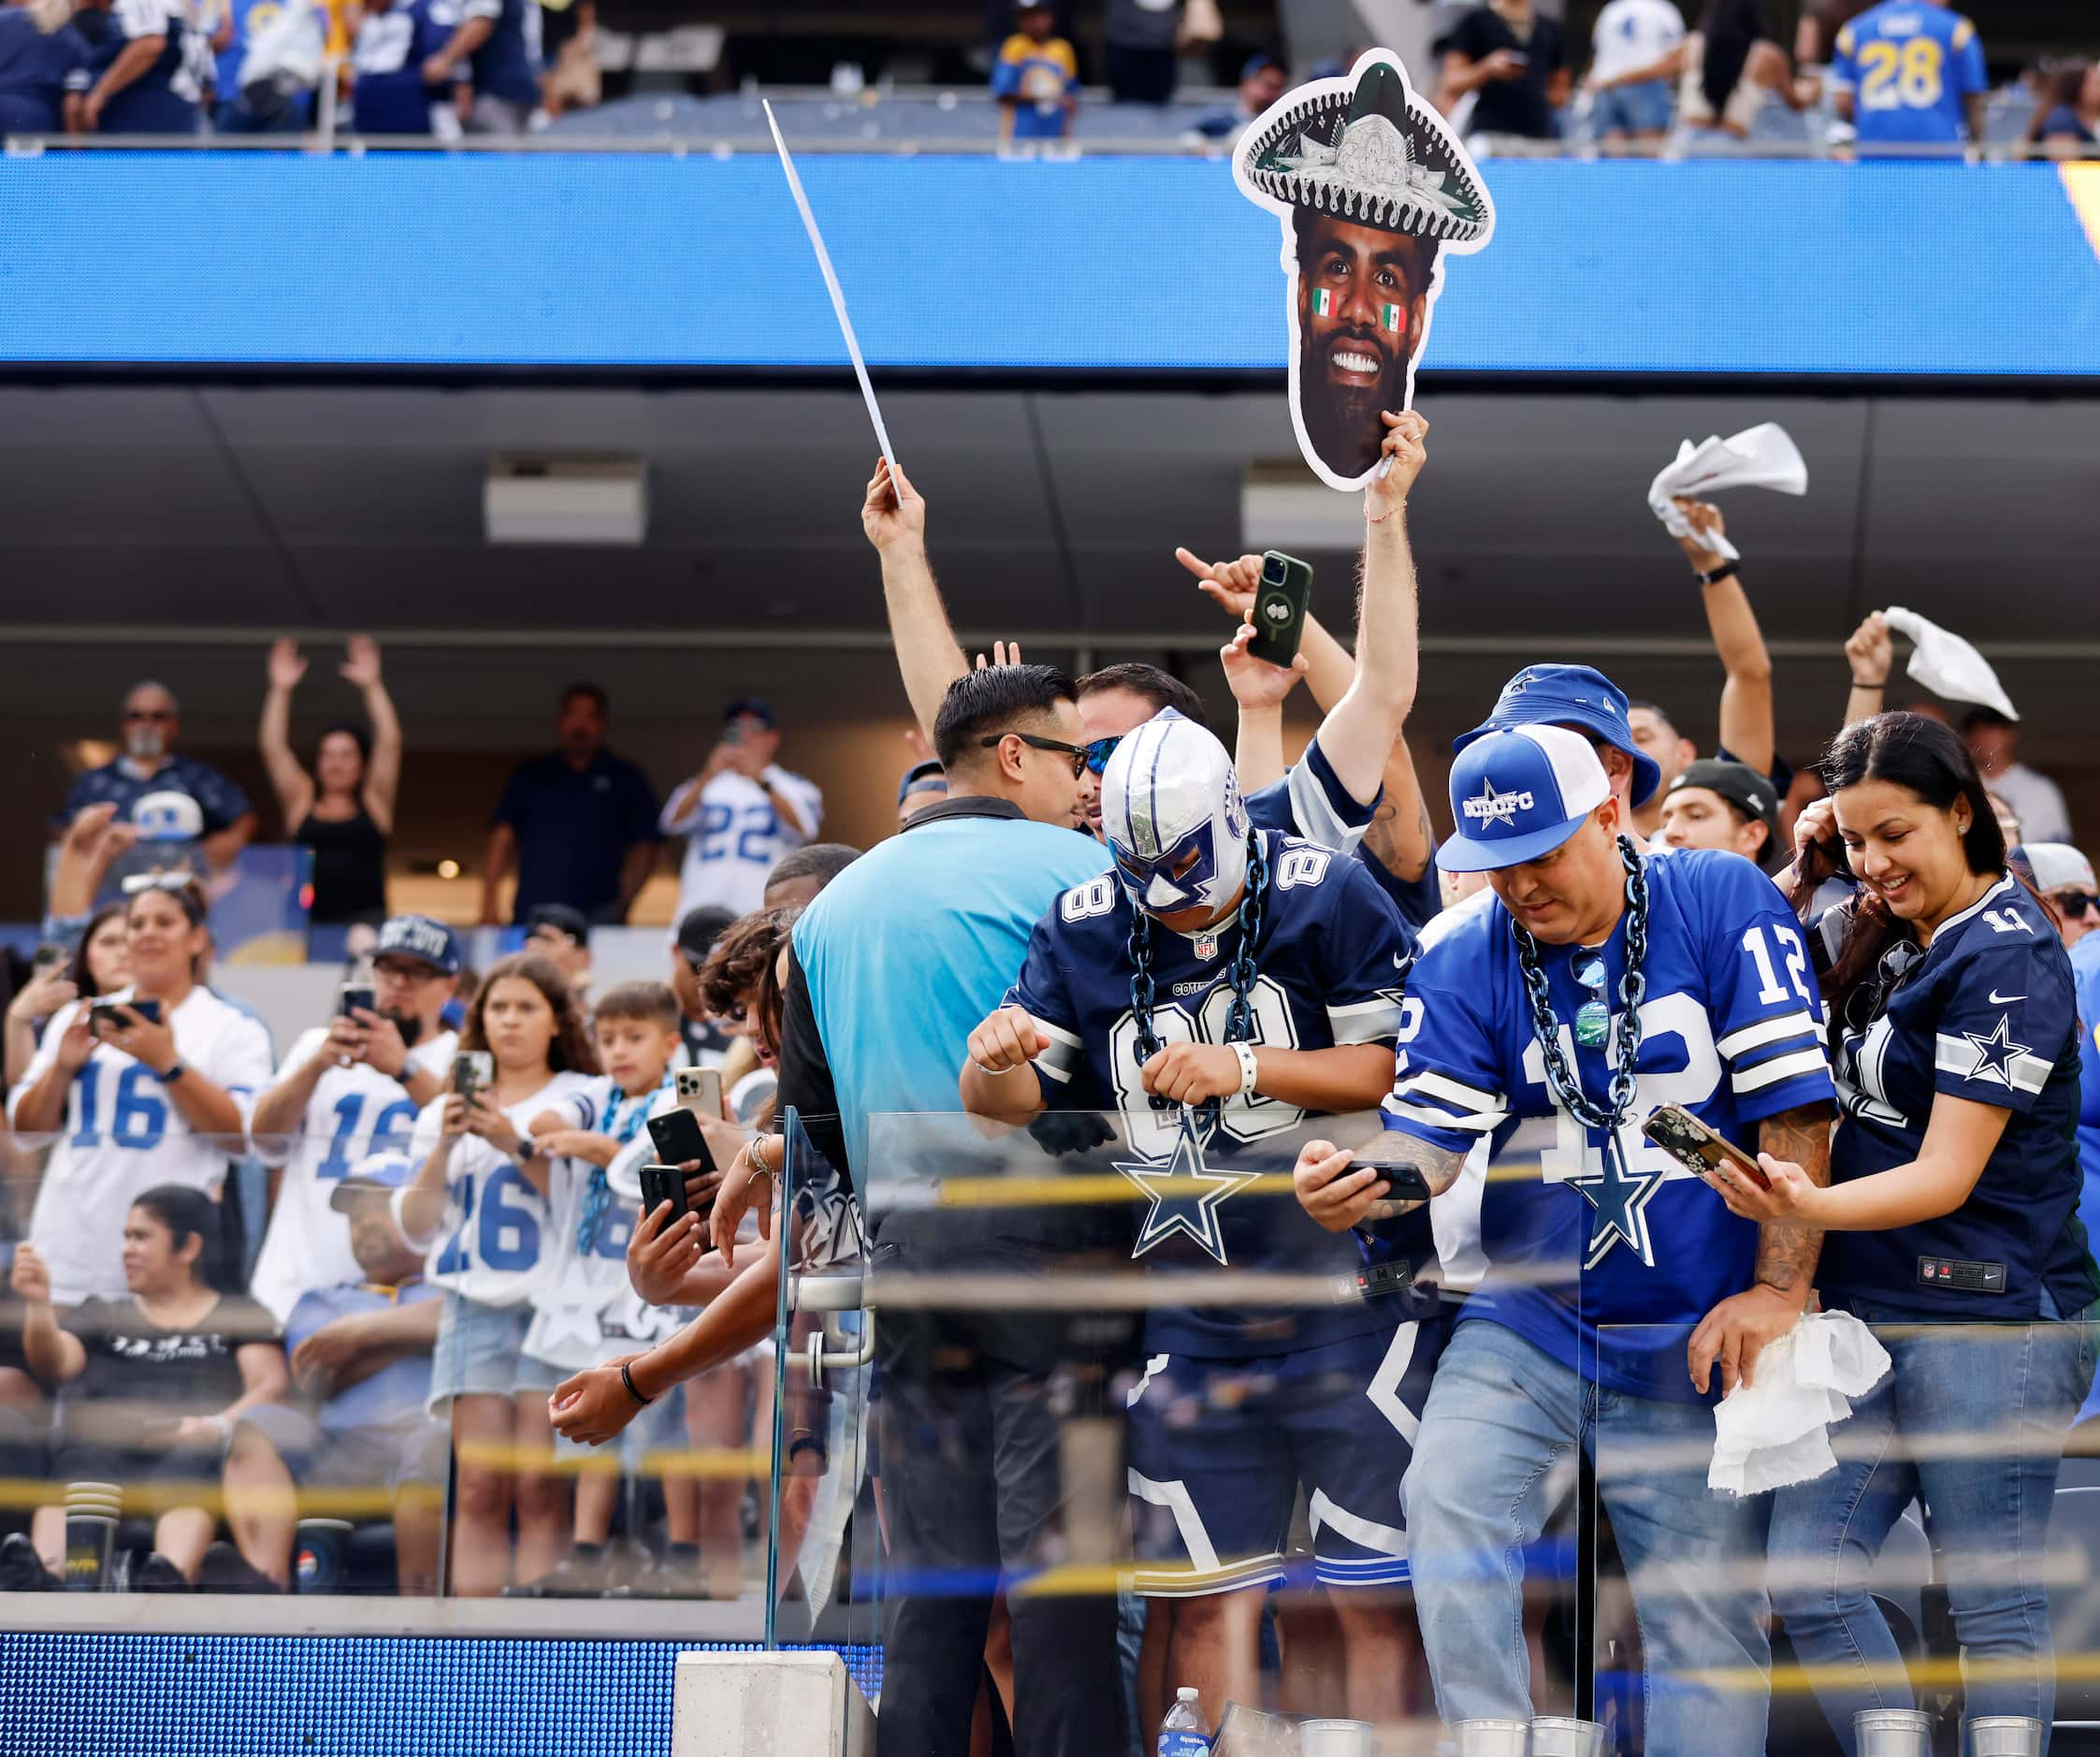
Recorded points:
2075,904
1077,753
1100,750
178,881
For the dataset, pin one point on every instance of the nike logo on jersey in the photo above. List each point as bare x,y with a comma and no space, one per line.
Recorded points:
2003,1000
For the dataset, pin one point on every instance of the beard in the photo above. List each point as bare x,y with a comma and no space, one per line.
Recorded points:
1340,420
408,1025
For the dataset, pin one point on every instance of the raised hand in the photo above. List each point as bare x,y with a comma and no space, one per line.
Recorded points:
1706,525
1402,453
892,511
1256,684
288,665
360,665
1871,652
1229,584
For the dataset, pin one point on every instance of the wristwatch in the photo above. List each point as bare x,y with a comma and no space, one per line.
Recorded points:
1726,571
173,1074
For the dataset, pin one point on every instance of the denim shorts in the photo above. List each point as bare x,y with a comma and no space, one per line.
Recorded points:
1642,109
480,1352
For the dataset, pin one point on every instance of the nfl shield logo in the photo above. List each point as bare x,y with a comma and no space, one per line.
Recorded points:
1207,946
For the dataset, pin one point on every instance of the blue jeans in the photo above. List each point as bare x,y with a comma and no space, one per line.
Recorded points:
1501,1413
1988,1509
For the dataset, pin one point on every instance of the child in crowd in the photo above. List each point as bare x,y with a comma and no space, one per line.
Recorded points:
584,1313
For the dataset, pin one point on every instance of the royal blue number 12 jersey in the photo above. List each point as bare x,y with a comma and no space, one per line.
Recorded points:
1331,959
1730,1031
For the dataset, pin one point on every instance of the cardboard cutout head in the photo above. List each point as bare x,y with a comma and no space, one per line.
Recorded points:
1373,191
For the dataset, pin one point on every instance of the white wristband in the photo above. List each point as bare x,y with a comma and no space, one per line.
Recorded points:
1247,1070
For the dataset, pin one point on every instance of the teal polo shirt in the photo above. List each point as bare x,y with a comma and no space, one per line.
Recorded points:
903,954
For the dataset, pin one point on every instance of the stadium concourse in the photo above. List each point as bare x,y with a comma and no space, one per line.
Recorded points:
688,1073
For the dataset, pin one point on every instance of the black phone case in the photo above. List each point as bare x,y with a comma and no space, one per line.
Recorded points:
1404,1182
677,1138
662,1185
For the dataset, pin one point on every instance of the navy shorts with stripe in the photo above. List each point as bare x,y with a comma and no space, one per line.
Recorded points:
1218,1450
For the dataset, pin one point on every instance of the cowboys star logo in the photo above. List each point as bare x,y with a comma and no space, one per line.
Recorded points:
1185,1196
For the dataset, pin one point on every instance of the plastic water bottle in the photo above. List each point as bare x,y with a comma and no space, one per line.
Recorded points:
1185,1733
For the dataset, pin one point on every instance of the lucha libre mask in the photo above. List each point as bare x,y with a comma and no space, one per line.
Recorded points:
1173,814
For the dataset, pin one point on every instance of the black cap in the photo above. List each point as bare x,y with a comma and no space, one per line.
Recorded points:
1743,787
562,919
699,929
750,706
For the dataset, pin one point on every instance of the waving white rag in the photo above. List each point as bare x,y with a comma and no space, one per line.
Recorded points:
1947,665
1776,1429
1762,457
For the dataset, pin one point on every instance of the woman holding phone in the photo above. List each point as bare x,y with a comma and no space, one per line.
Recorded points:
152,1084
478,1203
97,964
1951,1226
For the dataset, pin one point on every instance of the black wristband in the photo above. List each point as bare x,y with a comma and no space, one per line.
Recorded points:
1726,571
627,1378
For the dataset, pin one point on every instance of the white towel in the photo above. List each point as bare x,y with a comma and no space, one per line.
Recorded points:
1776,1429
1947,665
1762,457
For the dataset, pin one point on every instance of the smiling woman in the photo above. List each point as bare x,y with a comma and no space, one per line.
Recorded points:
1950,1217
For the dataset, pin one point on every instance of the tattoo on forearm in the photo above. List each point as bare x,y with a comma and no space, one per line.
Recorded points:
1788,1252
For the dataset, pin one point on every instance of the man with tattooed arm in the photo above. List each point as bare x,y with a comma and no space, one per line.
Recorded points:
1598,983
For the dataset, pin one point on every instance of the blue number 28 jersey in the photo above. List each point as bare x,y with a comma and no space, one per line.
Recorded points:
1908,66
1730,1031
1331,959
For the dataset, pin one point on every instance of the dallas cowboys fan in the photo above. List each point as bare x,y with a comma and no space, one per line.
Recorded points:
1596,985
1219,985
1330,795
1953,1219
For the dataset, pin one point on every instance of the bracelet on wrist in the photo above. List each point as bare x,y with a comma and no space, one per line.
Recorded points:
1714,576
633,1391
1878,683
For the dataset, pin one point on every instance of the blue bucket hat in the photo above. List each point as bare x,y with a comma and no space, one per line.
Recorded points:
1571,695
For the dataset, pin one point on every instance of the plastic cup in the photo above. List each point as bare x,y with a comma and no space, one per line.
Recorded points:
320,1555
1893,1732
92,1510
1494,1739
2005,1736
1557,1736
1336,1738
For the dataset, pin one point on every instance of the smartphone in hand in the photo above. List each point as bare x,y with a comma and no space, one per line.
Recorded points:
1281,602
700,1090
472,1070
662,1184
1697,1147
356,998
678,1140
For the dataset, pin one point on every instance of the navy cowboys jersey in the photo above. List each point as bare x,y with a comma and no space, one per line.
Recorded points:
1732,1032
1311,802
1987,1014
1331,960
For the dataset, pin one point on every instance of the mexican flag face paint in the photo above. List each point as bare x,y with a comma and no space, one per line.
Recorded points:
1389,317
1323,303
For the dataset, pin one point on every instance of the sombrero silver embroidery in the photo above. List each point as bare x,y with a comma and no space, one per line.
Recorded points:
1375,155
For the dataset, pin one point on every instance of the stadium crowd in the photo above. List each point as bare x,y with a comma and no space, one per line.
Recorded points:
1888,77
1864,977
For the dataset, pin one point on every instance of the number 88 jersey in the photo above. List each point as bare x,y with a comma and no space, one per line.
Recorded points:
1331,960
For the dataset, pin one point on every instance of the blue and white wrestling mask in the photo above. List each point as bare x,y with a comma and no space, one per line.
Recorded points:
1172,816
